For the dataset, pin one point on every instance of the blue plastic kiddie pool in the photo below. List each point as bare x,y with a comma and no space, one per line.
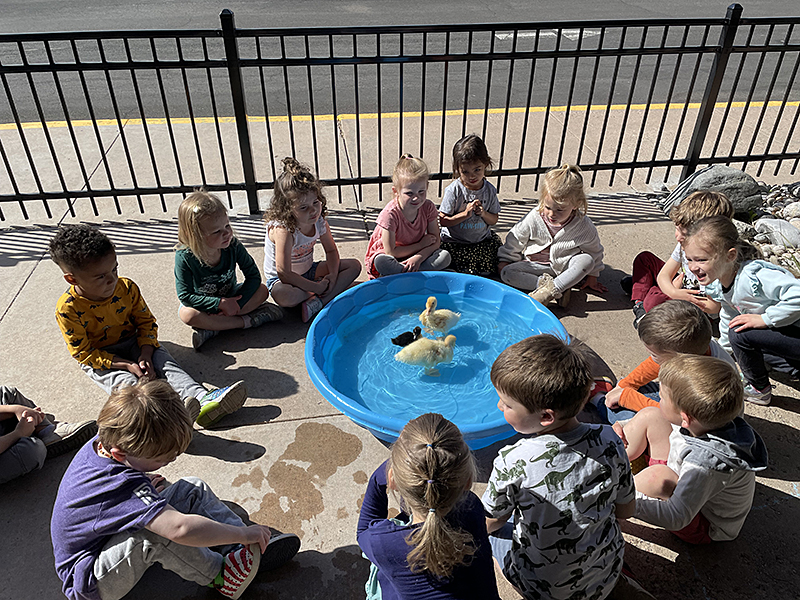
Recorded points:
350,356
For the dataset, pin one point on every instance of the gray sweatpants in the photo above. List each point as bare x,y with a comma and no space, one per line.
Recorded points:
166,367
389,265
525,274
28,453
126,556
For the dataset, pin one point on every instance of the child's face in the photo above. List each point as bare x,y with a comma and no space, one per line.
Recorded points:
659,356
668,408
216,230
557,214
97,280
472,175
516,415
149,465
705,265
411,194
307,209
680,234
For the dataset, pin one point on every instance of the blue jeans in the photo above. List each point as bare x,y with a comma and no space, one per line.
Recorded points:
611,416
750,346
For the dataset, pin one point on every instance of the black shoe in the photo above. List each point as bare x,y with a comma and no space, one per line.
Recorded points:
626,283
638,310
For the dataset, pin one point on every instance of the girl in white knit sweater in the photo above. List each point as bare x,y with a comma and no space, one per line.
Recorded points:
555,246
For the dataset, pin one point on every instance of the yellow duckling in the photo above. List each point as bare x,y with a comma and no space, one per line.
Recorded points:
428,353
441,320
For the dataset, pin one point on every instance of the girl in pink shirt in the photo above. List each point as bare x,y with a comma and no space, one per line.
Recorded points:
406,237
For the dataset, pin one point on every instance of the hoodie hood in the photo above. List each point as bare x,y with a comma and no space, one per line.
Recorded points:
736,446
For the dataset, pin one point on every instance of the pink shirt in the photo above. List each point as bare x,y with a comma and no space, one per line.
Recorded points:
405,232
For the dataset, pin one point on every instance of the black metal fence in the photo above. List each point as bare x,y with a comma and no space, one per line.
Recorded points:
142,117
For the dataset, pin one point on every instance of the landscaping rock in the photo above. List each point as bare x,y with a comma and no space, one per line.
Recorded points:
743,191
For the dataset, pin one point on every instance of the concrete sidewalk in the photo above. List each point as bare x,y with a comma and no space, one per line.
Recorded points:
292,461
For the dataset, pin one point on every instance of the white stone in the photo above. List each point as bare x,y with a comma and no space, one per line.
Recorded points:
791,211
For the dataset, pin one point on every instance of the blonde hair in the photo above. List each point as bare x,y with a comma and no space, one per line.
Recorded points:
705,388
432,468
146,420
564,186
196,207
543,372
718,235
470,148
676,326
296,180
700,205
409,169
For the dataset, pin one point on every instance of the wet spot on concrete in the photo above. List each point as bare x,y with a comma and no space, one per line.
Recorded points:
324,448
342,513
254,477
360,477
360,502
349,562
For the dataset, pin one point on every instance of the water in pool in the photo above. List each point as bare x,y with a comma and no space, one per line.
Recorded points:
363,366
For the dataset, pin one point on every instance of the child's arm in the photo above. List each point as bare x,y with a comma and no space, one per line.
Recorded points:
625,393
28,419
493,524
412,263
780,293
670,283
202,532
185,284
251,272
375,505
332,258
516,241
283,263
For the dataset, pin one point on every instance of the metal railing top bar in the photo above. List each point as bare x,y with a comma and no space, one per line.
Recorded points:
121,34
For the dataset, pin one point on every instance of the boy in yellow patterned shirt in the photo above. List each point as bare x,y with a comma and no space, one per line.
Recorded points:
111,332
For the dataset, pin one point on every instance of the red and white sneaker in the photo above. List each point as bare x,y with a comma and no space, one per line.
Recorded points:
238,571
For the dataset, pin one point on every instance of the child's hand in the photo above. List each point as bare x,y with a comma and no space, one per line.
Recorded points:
501,266
428,240
27,424
696,297
158,481
618,429
745,322
145,363
321,286
612,397
256,534
135,369
592,283
19,411
476,207
331,278
230,306
412,263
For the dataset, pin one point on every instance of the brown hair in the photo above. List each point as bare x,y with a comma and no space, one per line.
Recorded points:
718,235
705,388
432,468
146,420
75,247
409,169
196,207
700,205
469,149
296,180
543,372
676,326
564,186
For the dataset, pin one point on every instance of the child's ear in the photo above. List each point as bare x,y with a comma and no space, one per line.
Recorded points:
547,417
390,480
118,455
70,279
394,191
686,420
732,253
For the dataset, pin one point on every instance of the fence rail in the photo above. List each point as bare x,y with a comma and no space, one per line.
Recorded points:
140,117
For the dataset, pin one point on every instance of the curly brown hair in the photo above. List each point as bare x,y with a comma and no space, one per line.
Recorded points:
296,180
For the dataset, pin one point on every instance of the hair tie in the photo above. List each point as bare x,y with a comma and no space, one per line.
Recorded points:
429,445
431,510
430,481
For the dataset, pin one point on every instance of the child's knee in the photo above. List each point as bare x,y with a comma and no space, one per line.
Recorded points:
25,456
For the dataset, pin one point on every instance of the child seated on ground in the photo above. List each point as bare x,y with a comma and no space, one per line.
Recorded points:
114,517
565,484
555,240
205,273
674,327
468,210
295,221
438,547
653,281
111,332
406,235
703,456
27,436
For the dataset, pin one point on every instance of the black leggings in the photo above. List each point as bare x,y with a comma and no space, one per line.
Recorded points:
750,346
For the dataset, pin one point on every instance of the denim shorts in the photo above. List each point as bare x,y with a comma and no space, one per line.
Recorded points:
310,275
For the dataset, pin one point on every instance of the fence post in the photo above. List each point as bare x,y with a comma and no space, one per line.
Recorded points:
239,107
726,37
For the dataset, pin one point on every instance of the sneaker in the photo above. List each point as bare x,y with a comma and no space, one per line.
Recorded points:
564,300
238,571
756,396
626,283
192,407
639,312
201,336
545,291
67,436
280,550
223,401
265,313
310,308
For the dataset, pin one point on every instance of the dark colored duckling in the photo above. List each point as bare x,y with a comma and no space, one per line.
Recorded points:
404,339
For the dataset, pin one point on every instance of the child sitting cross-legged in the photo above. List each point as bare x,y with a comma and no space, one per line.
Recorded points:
703,456
565,483
674,327
111,332
114,517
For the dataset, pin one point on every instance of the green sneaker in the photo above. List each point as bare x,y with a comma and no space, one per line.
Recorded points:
223,401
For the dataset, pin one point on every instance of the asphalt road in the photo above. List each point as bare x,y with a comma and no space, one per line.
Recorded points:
143,92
